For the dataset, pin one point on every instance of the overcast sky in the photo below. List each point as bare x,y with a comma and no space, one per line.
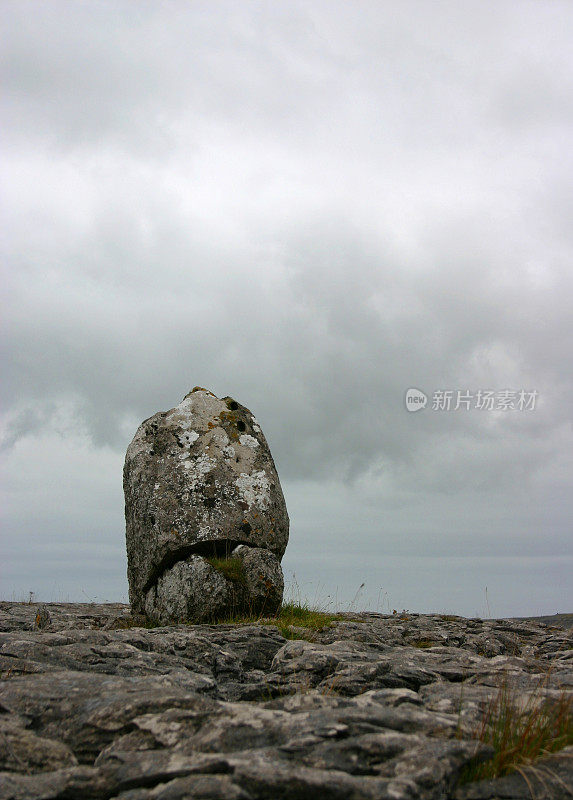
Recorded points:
311,207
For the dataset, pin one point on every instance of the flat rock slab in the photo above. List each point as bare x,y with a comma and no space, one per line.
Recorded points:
95,705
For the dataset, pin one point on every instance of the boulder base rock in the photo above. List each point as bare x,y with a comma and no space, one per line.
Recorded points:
200,487
250,581
263,578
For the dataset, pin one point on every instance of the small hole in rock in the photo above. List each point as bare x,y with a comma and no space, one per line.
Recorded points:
241,425
233,405
245,527
209,502
152,519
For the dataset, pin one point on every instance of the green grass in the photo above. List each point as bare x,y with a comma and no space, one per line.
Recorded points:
297,615
231,568
294,620
520,736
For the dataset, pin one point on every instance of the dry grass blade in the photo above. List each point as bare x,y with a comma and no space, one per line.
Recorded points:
520,735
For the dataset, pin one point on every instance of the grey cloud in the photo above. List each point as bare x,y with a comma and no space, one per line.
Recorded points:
343,366
310,207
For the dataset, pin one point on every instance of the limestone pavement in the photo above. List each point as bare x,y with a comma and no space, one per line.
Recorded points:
93,705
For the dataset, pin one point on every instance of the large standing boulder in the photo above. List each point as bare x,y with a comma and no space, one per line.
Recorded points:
206,520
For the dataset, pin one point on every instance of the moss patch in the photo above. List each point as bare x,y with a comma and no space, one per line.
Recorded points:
231,568
422,643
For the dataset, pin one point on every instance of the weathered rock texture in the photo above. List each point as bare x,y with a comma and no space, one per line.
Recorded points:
200,481
373,708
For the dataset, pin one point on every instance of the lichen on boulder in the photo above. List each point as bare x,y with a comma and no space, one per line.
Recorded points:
200,483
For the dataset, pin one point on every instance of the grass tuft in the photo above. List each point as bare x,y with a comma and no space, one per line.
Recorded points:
231,568
521,735
294,620
296,615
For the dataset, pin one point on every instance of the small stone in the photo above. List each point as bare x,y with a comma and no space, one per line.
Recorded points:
42,619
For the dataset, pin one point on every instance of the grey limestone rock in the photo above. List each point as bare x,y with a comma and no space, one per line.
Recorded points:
22,751
200,482
368,709
194,590
191,590
263,577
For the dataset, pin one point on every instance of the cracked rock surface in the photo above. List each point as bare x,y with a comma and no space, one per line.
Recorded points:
200,482
374,706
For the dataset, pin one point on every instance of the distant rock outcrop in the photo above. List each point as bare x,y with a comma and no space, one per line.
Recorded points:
206,520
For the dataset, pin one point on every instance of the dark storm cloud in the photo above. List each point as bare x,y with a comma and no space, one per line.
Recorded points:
312,207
